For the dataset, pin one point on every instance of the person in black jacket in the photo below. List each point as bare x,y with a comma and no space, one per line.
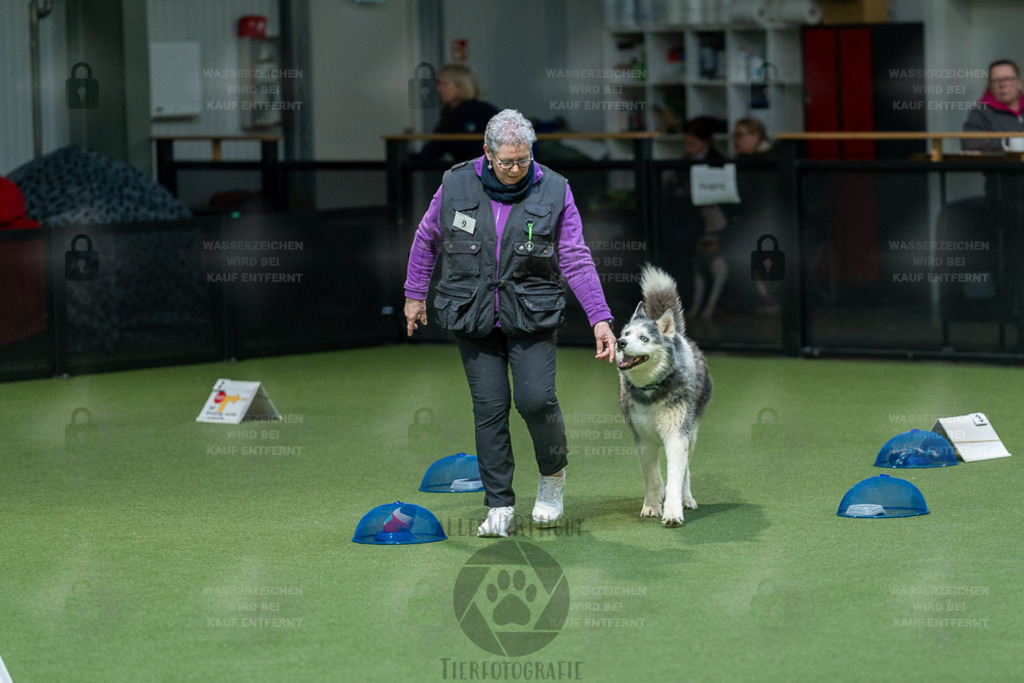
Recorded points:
704,224
461,112
749,139
698,138
1000,109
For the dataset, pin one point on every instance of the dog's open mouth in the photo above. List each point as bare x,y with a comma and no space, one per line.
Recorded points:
629,361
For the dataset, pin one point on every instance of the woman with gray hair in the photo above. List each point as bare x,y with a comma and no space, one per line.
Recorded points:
507,230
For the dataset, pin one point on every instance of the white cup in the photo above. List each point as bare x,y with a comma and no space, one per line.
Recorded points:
1013,144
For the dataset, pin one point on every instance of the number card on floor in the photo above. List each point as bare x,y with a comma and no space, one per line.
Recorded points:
972,437
233,401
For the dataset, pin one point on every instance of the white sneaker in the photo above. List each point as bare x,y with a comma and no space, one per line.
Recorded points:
548,508
500,522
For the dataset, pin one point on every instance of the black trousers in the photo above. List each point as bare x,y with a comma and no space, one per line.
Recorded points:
487,362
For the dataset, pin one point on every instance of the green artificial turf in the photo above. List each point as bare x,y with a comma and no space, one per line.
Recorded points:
161,549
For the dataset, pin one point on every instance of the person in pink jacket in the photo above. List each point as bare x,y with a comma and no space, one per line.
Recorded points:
1000,109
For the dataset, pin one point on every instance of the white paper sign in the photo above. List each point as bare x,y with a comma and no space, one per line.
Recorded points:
4,676
232,401
175,81
713,184
972,436
464,222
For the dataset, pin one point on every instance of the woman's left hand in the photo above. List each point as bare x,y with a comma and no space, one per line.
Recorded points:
605,339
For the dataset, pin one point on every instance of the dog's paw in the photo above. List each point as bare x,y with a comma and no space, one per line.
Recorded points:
673,515
689,503
651,510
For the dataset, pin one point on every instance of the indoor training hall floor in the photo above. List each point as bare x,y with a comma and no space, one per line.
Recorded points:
150,547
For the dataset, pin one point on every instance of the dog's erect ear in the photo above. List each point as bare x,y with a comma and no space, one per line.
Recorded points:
639,312
667,323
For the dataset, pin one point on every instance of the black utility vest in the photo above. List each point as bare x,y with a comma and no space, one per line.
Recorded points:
526,275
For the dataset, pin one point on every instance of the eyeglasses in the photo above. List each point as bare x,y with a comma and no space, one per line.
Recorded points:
506,165
1004,81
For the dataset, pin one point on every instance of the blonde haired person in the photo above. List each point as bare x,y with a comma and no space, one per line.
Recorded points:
750,139
461,112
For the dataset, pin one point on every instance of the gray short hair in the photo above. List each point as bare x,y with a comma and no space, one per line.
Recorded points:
508,127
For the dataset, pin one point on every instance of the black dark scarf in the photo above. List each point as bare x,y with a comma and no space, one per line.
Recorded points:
505,193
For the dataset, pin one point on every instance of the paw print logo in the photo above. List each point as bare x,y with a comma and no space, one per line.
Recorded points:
511,598
515,599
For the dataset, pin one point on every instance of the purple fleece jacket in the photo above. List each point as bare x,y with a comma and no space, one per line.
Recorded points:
574,259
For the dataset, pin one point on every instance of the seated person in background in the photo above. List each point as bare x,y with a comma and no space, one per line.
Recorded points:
756,214
698,139
1001,108
461,112
749,139
709,268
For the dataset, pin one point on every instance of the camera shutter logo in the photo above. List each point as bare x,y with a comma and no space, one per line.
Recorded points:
511,598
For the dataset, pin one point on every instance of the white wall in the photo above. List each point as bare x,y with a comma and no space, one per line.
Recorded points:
16,138
363,56
961,37
509,46
512,46
214,24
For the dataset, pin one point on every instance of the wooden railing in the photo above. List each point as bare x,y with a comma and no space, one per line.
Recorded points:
641,135
935,138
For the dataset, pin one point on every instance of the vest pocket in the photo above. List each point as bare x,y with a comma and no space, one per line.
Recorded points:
454,306
463,257
536,260
540,216
539,306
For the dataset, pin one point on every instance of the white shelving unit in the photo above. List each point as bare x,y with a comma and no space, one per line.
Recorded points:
688,70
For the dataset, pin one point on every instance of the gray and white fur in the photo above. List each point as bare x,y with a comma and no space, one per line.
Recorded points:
664,387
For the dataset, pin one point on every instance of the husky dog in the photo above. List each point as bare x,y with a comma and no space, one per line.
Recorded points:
664,387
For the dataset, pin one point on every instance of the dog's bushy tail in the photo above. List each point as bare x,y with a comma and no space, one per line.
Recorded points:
660,294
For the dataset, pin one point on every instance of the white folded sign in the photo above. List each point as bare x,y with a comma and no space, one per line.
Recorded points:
713,184
232,401
972,437
4,676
